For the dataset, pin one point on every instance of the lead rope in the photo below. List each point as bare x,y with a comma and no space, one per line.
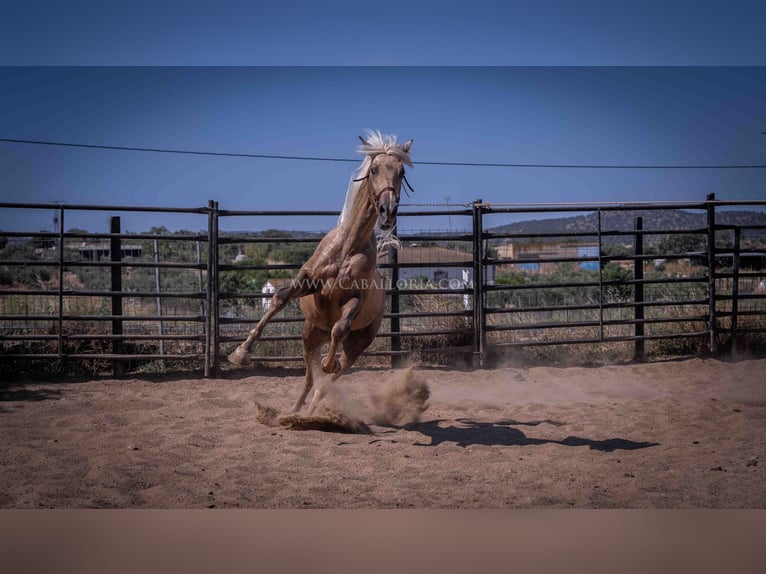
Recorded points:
387,239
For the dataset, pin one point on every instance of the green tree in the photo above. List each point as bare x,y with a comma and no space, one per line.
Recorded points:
681,244
238,281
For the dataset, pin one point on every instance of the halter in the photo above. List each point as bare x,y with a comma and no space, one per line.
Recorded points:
404,179
386,238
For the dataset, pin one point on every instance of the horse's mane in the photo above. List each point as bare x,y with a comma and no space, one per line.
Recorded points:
376,143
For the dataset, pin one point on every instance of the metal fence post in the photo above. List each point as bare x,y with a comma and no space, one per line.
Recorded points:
158,286
202,304
735,287
209,293
638,299
600,279
61,284
115,256
212,289
396,340
710,207
478,284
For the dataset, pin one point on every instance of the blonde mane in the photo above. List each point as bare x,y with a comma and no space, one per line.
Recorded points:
376,144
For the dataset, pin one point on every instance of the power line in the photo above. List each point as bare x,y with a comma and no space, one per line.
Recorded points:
175,151
590,166
337,159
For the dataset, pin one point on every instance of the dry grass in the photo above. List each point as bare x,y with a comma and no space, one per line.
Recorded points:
429,340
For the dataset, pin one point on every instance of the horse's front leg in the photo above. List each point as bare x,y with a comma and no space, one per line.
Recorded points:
341,329
300,286
330,364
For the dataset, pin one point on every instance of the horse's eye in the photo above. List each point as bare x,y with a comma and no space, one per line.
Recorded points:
373,171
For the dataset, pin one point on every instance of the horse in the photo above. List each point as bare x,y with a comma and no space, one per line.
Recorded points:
340,290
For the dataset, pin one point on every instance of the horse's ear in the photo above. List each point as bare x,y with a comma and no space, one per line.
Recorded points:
364,142
406,146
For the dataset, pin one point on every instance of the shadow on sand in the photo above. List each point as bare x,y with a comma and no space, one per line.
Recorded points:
501,434
14,393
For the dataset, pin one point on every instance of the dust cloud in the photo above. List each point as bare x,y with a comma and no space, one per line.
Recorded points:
402,400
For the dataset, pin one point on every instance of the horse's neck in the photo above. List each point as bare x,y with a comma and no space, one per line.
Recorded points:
358,227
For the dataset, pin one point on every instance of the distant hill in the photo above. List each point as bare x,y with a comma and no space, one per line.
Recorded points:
659,220
275,234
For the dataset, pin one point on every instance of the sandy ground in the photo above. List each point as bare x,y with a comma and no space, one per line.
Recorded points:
677,434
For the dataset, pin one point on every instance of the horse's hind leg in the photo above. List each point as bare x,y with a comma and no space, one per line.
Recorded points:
240,356
300,286
313,339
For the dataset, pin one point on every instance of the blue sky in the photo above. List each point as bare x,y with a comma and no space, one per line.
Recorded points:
481,82
390,32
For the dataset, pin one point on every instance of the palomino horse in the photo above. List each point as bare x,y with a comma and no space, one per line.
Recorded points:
340,290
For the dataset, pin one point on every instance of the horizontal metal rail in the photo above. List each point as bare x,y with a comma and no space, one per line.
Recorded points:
596,340
591,234
29,337
109,264
659,303
136,356
249,321
595,323
129,337
744,313
225,240
101,236
84,207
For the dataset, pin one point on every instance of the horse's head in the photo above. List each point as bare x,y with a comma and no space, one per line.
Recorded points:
385,179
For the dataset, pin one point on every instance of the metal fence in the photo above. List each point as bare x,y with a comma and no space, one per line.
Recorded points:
120,300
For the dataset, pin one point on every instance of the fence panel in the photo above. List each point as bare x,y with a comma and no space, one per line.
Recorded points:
98,306
596,285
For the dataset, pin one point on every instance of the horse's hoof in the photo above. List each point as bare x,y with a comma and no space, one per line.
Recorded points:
239,357
331,368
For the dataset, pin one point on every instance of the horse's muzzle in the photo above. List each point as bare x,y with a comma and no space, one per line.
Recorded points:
387,208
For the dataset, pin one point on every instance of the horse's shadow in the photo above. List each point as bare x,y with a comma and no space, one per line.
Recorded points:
501,433
14,393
